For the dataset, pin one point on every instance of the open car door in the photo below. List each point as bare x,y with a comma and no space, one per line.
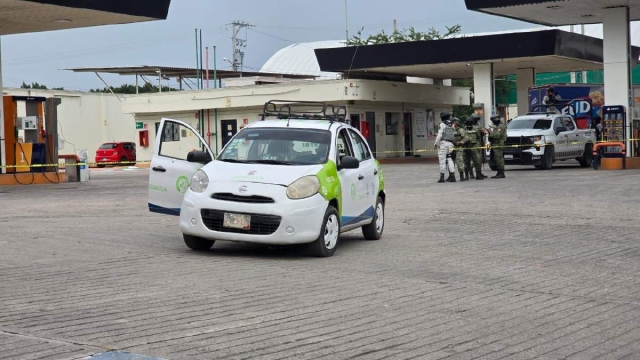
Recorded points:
177,155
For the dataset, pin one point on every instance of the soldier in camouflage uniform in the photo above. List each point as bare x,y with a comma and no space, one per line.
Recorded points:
460,139
471,152
481,133
498,136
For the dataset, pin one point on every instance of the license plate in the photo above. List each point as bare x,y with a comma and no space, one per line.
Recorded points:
236,221
508,156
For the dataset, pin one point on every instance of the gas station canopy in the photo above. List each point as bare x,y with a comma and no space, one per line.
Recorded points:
26,16
545,50
553,12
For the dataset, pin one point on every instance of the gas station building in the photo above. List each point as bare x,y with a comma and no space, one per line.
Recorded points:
521,53
38,129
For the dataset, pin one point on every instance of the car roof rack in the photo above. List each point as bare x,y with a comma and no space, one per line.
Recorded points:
304,110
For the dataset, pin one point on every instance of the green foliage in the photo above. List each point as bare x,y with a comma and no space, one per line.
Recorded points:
33,85
504,85
404,35
131,89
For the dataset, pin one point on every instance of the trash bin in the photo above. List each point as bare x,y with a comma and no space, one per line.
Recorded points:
84,168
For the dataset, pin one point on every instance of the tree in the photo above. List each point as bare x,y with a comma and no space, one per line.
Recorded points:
33,85
404,35
504,85
131,89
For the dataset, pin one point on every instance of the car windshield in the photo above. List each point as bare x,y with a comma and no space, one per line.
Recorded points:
108,146
537,124
278,146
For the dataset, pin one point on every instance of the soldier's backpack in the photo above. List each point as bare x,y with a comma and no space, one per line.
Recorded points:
449,133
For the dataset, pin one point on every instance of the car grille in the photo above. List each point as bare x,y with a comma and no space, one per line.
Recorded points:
518,142
254,199
260,224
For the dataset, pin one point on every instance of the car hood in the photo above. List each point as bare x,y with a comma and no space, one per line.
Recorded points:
527,132
220,171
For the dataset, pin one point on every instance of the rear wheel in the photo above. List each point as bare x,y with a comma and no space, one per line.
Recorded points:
196,243
373,231
587,157
123,161
325,244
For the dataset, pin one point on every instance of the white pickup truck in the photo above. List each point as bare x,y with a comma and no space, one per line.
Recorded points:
541,139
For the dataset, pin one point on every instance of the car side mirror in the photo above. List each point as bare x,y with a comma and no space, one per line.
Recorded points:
349,162
559,130
200,157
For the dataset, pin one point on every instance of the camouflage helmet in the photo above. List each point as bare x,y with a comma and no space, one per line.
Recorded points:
475,118
445,115
469,122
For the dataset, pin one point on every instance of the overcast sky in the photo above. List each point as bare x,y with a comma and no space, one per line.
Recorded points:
278,23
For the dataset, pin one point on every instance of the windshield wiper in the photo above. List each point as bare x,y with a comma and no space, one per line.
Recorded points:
234,161
275,162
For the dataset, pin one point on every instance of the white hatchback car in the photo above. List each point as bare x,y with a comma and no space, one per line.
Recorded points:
294,179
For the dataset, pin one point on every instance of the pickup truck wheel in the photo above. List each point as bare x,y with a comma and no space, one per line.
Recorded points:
587,157
547,159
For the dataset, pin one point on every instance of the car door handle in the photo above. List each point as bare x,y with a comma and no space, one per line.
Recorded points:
360,177
159,168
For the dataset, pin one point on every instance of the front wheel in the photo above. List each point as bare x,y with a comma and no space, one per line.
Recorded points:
373,231
196,243
325,244
547,159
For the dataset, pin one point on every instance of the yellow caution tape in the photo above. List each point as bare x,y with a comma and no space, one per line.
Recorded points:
486,147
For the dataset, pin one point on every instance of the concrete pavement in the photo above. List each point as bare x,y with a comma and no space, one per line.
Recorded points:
543,264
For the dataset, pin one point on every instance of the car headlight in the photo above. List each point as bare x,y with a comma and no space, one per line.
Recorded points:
304,187
199,182
537,141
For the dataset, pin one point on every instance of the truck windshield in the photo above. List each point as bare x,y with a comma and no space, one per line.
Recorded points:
278,146
537,124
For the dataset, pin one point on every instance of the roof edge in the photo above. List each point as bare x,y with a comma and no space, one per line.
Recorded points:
156,9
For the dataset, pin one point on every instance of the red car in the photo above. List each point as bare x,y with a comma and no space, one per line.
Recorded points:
116,153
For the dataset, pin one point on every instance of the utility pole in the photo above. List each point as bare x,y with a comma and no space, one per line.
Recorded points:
238,55
346,18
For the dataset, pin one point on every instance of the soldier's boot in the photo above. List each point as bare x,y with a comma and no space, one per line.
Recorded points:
471,174
479,175
483,175
466,175
499,175
441,178
452,177
462,177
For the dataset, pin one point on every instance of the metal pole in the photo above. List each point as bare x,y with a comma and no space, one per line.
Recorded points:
234,40
137,89
207,48
215,69
201,65
346,18
160,80
197,57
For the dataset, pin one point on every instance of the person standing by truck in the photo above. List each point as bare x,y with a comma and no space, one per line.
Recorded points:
471,151
460,140
498,136
481,133
551,99
444,141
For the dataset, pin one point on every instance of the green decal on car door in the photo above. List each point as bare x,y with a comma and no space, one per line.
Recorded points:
330,187
380,176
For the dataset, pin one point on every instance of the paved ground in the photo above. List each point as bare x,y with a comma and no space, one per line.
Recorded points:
543,264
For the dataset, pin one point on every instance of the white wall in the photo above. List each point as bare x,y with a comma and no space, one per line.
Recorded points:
387,145
86,120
